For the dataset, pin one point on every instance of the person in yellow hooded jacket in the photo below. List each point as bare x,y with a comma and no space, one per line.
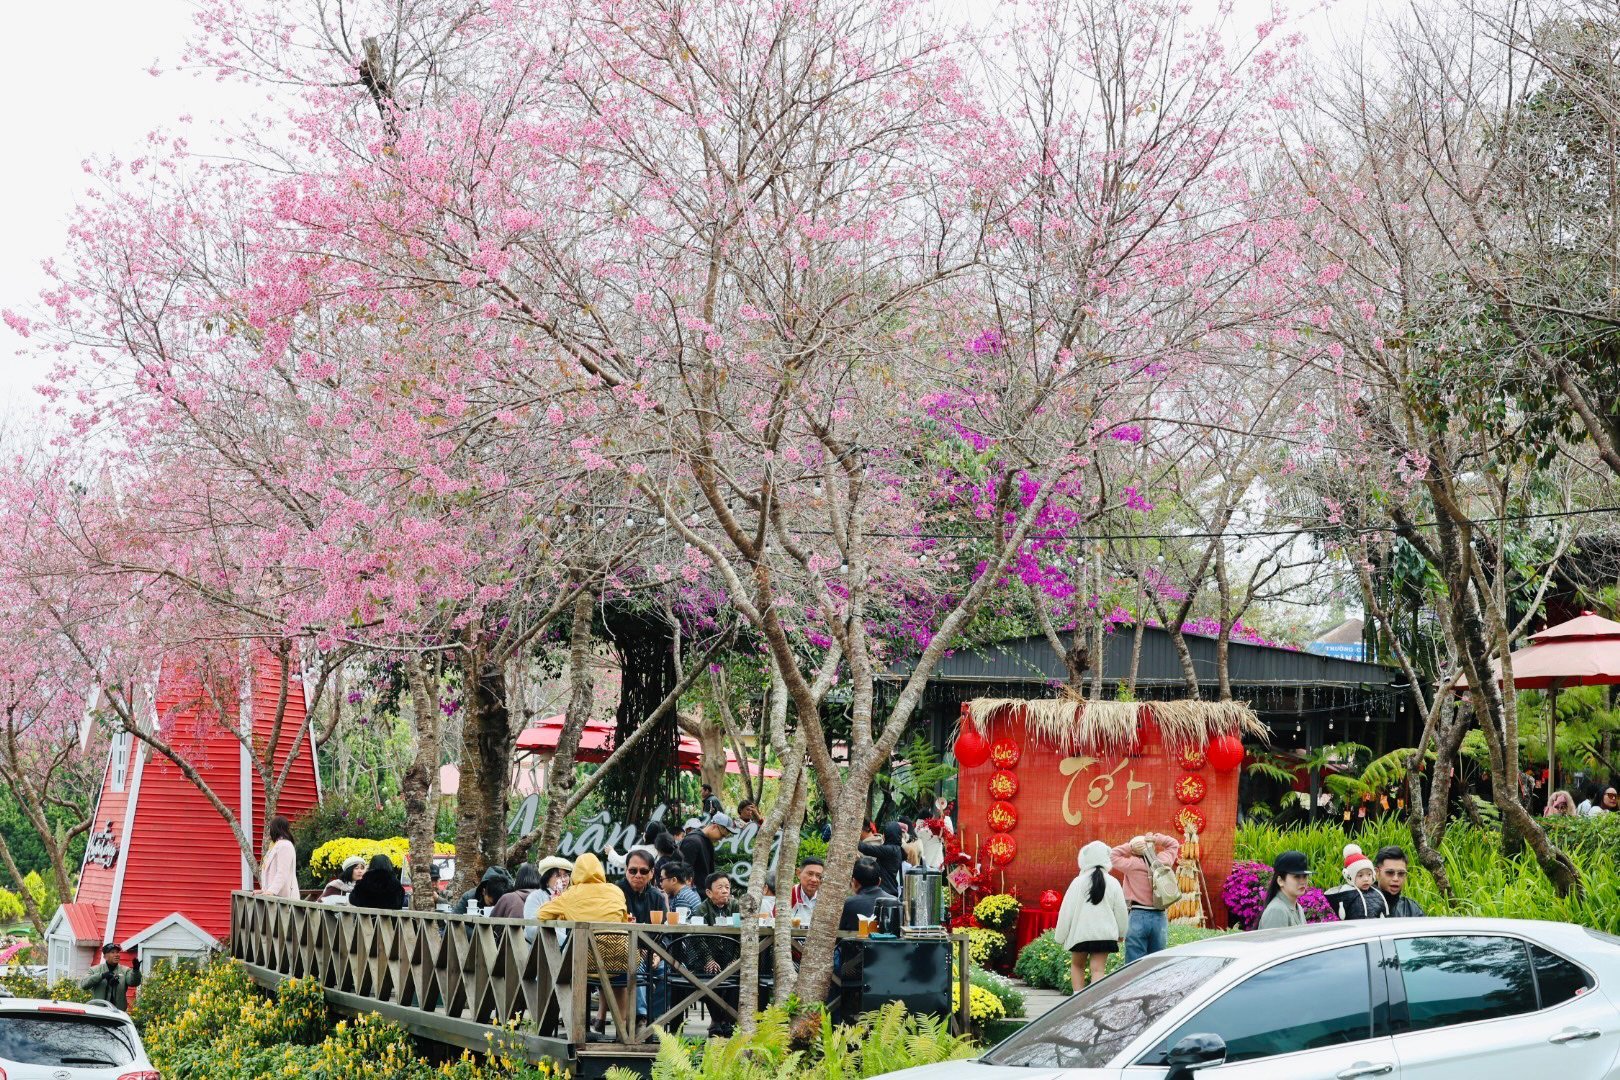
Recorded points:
591,899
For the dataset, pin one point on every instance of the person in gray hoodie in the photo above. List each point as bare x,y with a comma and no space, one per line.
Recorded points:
493,876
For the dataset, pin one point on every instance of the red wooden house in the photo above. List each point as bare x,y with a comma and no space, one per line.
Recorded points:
161,862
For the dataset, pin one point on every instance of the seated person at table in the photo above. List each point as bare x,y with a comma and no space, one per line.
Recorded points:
715,951
864,894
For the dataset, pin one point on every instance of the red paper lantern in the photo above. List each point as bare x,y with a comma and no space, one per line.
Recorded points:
1001,849
1226,752
1005,753
1190,817
1002,817
971,749
1191,788
1191,759
1050,900
1003,784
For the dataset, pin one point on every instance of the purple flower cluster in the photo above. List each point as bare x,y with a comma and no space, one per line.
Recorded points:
1244,895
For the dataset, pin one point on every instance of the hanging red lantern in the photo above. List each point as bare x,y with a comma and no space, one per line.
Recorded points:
1002,817
1050,900
1191,759
1003,784
1004,754
971,749
1190,788
1226,752
1188,818
1001,849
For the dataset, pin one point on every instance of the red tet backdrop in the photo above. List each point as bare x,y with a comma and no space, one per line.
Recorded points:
1066,800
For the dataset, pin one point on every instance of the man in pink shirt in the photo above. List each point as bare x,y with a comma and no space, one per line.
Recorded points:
1149,927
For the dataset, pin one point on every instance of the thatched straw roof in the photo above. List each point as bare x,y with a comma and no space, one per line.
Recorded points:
1074,725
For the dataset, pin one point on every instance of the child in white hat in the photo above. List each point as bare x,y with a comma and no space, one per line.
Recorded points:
1358,897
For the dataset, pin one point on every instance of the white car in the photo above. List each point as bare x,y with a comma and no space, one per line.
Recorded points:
1404,999
55,1040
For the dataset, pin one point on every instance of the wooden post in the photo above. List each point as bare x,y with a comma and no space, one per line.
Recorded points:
1552,744
964,1009
579,1013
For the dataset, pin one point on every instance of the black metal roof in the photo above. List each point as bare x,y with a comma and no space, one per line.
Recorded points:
1031,660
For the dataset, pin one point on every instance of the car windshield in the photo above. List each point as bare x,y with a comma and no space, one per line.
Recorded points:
45,1039
1091,1028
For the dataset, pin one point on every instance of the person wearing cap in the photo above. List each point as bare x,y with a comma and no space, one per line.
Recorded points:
338,889
697,850
1290,877
556,874
112,981
1358,897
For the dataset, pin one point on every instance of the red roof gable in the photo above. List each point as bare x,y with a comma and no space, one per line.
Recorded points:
86,923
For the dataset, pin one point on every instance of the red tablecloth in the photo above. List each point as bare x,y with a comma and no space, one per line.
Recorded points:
1032,923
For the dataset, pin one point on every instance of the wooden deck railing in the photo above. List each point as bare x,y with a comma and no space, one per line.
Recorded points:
471,981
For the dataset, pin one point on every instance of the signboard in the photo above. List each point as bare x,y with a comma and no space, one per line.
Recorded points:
101,849
599,833
1063,801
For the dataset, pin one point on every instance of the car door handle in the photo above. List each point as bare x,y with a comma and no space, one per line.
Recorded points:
1362,1068
1569,1035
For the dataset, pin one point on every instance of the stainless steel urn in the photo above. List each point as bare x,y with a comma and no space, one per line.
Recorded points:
924,892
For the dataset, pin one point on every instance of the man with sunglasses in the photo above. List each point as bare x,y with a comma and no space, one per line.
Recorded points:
641,898
1390,866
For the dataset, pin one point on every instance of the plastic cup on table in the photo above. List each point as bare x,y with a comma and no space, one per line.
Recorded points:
864,925
656,915
677,915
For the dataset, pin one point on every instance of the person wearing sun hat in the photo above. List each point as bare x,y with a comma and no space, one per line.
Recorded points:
1358,897
1290,877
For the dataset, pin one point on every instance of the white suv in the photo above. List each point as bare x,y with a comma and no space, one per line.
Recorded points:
56,1040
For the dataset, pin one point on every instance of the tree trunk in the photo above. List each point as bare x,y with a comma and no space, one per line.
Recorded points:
816,966
1136,659
1469,628
36,918
787,874
748,975
711,739
486,763
581,700
419,785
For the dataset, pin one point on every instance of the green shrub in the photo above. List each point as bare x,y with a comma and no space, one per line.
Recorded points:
1044,964
339,816
812,844
26,986
885,1041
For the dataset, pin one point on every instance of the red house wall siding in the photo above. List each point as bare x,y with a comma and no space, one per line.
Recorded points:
180,854
298,794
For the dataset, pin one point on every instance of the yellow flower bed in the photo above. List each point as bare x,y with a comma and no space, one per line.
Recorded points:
326,860
982,1004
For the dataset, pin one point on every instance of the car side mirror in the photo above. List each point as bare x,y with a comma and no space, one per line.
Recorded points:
1192,1053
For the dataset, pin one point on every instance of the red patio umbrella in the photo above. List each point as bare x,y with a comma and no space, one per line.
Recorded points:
596,742
1585,651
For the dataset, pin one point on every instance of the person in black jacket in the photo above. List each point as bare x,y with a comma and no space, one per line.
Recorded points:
380,888
697,850
888,855
1390,862
865,891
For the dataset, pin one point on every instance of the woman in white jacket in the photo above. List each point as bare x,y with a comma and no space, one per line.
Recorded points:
1093,920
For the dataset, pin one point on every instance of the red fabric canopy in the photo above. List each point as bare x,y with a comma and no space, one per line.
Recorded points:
597,740
1584,651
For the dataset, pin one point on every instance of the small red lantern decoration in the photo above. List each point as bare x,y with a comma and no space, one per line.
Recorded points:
1226,752
1005,753
1001,849
1050,900
971,749
1190,818
1191,788
1191,759
1002,817
1003,784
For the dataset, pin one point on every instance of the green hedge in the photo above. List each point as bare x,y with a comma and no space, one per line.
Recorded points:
1485,882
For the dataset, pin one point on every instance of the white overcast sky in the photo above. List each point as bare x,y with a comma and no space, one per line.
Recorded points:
76,85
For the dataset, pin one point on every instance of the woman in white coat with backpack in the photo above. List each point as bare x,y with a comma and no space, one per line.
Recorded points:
1093,919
